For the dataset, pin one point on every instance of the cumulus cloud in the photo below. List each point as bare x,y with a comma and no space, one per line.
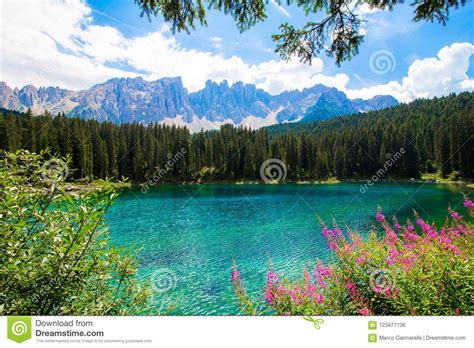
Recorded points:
429,77
42,44
56,42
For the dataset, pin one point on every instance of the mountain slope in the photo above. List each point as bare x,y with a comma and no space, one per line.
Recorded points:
218,102
125,100
135,100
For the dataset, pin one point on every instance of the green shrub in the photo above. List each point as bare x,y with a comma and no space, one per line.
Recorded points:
55,253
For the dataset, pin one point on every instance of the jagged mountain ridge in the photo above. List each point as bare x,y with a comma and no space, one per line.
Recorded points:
122,100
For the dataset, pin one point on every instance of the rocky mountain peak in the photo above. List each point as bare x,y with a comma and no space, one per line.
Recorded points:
135,99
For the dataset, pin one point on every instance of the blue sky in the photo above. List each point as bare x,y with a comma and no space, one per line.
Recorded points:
406,39
95,40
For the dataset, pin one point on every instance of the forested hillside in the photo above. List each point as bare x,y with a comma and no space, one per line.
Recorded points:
432,135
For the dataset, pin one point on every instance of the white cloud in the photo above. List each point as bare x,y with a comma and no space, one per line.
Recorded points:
280,8
55,42
216,41
363,9
429,77
40,44
276,76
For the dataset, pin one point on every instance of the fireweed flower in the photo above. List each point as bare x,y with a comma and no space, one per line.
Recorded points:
392,293
361,260
426,228
306,276
352,288
235,276
408,262
272,277
325,231
468,204
239,288
321,274
409,235
403,248
318,298
335,239
380,217
310,290
272,282
296,295
393,254
321,271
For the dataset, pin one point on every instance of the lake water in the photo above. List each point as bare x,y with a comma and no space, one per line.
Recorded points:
190,234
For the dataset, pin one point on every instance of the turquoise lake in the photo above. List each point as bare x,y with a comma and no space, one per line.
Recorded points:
190,234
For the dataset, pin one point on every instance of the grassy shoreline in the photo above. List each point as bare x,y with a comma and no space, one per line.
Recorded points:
100,185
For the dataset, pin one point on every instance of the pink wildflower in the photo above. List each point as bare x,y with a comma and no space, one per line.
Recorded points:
235,276
296,295
380,217
325,231
323,270
310,290
408,262
468,203
352,288
318,298
392,292
272,277
432,233
320,274
364,311
393,253
272,281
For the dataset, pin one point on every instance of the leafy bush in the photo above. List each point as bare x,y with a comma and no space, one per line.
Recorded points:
55,254
411,270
